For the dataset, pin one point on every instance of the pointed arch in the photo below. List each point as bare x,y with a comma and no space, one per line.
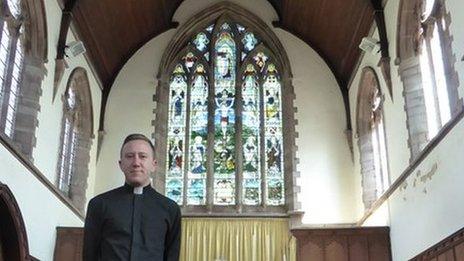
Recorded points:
371,137
13,236
76,138
230,21
24,31
427,70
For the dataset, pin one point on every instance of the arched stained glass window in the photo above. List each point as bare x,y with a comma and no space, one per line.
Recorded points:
224,125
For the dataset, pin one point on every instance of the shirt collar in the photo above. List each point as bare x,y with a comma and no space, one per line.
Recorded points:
136,190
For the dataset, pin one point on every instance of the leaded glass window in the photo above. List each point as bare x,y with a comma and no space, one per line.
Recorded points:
224,124
69,144
432,64
11,64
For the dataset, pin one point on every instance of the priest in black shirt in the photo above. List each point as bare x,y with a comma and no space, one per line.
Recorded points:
133,222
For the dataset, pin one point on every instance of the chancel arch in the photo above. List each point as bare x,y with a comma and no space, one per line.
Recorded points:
225,101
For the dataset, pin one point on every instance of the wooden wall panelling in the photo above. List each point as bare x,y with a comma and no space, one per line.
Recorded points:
343,244
449,249
69,243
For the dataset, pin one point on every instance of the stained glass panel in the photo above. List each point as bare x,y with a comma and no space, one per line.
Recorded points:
273,137
196,191
249,41
250,138
260,60
176,134
210,28
240,28
201,41
224,118
174,188
189,60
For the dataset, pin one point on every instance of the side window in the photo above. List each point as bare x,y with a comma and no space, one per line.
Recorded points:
23,52
76,138
371,142
426,65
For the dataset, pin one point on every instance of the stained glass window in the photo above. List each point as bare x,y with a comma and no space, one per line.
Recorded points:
176,132
224,125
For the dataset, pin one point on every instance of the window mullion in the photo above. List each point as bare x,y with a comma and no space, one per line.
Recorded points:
210,126
262,144
238,133
186,152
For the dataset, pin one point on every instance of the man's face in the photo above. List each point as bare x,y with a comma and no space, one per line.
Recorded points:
137,162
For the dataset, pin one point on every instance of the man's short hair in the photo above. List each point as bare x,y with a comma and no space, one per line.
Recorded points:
137,136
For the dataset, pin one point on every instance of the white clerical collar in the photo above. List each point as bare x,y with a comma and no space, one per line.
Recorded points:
138,190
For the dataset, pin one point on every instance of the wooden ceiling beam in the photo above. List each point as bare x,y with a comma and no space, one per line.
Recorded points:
60,63
66,17
384,62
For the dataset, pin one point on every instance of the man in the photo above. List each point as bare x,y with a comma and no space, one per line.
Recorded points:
133,222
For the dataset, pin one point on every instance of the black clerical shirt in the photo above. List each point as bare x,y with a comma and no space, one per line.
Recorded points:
121,225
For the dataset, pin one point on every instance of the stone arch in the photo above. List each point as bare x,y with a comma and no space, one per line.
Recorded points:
409,41
35,51
229,11
80,118
12,229
369,87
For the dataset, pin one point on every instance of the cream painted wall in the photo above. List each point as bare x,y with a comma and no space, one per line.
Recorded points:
423,214
130,108
41,210
325,165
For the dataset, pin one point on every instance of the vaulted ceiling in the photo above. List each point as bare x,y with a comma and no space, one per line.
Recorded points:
113,30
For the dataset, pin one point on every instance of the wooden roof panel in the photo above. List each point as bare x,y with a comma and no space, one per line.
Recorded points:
113,30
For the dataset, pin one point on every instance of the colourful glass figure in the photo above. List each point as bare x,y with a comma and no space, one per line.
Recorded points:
201,41
209,29
249,41
189,60
273,137
196,190
260,60
176,132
